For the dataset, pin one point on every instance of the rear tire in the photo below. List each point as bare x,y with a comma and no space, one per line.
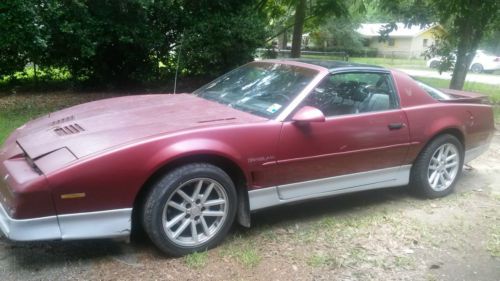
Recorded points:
434,64
190,209
438,167
477,68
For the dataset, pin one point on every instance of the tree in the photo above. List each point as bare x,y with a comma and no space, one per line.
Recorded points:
285,14
219,35
298,27
466,23
318,11
23,37
337,32
109,42
114,43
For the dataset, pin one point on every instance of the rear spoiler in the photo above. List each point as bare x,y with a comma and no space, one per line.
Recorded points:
465,97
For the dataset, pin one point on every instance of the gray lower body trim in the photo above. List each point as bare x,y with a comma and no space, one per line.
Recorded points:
45,228
475,152
277,195
102,224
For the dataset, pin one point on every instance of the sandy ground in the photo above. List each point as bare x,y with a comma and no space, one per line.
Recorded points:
378,235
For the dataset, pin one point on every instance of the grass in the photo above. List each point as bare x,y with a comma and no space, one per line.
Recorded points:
393,62
196,260
494,242
17,109
387,62
242,250
320,260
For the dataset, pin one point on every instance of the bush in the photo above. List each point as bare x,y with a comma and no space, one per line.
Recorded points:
118,43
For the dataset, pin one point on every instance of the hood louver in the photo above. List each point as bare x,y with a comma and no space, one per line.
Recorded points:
69,130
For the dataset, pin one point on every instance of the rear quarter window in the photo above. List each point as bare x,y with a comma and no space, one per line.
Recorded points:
434,93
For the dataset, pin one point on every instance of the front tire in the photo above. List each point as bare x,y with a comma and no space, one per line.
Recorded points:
190,209
438,167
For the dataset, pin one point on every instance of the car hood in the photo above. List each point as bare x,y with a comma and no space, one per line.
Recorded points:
96,126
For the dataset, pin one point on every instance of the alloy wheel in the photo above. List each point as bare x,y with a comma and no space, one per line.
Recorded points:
443,167
195,212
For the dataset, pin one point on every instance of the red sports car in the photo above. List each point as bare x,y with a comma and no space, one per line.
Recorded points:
271,132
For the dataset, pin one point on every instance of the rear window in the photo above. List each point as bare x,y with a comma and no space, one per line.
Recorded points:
433,92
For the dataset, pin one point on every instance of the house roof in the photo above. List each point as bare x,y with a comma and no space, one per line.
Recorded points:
373,30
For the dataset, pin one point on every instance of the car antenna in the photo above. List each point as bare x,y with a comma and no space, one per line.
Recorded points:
178,60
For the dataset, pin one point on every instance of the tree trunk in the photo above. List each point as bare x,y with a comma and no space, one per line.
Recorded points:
460,69
285,40
470,32
300,15
458,78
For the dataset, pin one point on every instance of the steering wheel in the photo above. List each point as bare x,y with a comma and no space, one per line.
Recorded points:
283,97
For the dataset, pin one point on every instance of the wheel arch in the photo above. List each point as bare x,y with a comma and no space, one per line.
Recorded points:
234,171
454,131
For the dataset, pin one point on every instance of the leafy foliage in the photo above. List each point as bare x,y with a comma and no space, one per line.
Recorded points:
119,42
466,23
338,33
23,37
219,36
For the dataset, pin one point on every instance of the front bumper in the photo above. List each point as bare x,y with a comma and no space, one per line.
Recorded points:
102,224
46,228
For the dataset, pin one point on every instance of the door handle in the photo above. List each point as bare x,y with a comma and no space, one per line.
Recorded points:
395,126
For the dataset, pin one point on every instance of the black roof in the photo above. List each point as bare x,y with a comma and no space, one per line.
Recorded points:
333,64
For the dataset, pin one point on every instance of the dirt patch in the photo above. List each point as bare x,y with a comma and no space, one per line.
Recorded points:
377,235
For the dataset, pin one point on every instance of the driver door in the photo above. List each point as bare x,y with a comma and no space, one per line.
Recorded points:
363,141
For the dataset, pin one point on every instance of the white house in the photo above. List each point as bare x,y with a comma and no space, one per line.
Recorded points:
404,41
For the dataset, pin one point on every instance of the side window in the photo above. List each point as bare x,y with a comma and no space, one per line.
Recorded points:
353,93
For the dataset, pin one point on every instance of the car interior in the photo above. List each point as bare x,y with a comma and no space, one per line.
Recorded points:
353,93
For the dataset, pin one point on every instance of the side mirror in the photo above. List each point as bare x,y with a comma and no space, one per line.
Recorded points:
308,114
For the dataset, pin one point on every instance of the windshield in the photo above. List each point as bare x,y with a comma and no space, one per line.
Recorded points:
435,93
260,88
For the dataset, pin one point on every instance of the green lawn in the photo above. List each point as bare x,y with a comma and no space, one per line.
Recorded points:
386,62
17,109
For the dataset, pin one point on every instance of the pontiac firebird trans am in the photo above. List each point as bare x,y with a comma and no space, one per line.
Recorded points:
184,167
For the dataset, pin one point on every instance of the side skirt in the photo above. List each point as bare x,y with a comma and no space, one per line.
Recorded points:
103,224
278,195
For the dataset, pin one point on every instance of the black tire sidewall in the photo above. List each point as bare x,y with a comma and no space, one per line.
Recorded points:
161,192
419,180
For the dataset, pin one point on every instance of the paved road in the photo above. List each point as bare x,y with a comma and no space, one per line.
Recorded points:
471,77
